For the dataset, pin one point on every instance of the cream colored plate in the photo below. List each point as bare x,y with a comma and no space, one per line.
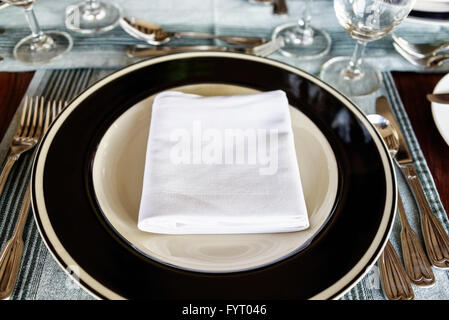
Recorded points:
440,112
118,172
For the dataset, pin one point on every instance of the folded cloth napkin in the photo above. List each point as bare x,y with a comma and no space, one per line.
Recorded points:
218,165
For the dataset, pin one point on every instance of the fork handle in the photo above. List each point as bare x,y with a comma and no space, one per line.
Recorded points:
12,158
11,253
395,282
436,239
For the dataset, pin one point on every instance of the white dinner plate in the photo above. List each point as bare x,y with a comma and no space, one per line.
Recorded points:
440,112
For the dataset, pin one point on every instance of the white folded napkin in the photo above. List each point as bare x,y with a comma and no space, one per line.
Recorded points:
219,165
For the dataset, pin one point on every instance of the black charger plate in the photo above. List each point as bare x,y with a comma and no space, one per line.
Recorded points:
430,17
76,233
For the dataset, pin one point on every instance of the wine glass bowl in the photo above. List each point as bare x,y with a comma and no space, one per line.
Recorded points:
365,21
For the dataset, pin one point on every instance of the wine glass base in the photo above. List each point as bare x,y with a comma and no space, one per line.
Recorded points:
332,72
298,44
86,19
263,2
53,44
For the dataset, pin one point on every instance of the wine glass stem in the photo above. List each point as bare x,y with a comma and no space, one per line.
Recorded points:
353,70
36,31
93,4
304,23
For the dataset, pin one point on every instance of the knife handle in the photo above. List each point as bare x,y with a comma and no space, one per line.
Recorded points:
436,239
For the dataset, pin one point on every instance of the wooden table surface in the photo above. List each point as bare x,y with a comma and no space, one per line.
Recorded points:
412,88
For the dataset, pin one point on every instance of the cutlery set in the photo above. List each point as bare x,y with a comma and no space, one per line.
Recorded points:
396,280
37,115
155,36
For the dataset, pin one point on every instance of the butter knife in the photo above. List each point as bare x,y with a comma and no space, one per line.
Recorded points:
436,239
438,97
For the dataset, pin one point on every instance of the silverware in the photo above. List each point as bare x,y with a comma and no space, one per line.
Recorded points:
417,265
438,97
428,62
26,137
11,252
155,35
3,5
436,239
146,51
395,282
420,50
280,7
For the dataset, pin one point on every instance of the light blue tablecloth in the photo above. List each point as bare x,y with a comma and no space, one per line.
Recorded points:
223,17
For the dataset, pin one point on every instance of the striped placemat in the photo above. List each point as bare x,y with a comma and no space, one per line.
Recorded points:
41,278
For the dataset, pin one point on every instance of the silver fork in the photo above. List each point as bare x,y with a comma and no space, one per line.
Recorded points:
11,252
420,50
26,136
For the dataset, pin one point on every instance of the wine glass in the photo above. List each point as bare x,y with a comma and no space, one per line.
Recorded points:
92,16
364,20
301,39
39,47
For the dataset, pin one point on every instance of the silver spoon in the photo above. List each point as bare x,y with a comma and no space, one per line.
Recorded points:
155,35
417,265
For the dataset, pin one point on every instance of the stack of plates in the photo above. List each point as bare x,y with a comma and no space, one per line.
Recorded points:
87,179
431,11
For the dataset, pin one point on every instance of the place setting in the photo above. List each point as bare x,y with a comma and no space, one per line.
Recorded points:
201,165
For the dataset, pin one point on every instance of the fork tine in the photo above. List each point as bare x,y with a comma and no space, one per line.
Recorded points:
59,106
25,106
38,132
25,123
47,117
54,113
33,118
22,118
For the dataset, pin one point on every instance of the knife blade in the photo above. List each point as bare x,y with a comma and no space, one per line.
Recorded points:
438,97
383,108
436,239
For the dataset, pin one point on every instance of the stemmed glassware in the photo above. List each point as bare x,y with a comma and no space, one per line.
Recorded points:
364,20
92,16
39,47
301,39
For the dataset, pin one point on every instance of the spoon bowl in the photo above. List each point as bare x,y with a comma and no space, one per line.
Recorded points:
387,132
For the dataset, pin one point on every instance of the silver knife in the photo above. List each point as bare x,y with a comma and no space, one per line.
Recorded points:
262,50
438,97
436,239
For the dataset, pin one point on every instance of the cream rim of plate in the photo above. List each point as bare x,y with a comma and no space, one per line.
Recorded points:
65,260
118,170
440,112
